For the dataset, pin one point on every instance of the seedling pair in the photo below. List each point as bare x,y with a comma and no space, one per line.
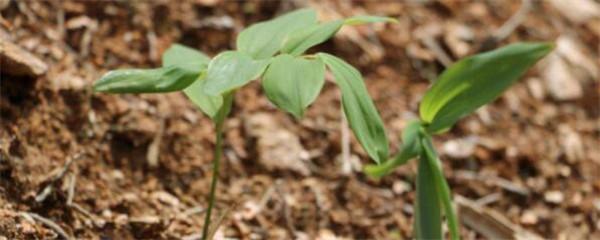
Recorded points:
274,52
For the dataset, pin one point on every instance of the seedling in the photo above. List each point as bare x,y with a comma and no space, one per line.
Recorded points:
274,51
461,89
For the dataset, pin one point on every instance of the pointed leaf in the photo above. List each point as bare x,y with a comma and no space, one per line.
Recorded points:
441,186
166,79
368,19
302,40
231,70
411,148
475,81
428,222
362,115
264,39
178,54
293,83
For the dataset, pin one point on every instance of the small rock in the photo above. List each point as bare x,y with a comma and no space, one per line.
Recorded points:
536,88
16,61
571,144
460,148
400,187
575,53
278,148
145,220
560,80
597,204
554,197
457,37
529,217
166,197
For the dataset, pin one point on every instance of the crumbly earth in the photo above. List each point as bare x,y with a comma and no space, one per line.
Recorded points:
103,166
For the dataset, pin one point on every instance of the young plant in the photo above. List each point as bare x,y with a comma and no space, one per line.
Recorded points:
274,51
461,89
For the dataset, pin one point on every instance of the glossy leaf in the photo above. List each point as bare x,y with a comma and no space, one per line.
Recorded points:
368,19
441,186
302,40
363,118
231,70
293,83
166,79
264,39
181,55
475,81
428,220
411,148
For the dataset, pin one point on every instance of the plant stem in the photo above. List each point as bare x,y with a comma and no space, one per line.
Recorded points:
441,186
218,152
428,222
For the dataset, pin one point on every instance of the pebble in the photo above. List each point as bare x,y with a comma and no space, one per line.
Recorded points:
554,197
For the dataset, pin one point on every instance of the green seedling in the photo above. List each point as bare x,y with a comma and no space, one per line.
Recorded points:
273,51
461,89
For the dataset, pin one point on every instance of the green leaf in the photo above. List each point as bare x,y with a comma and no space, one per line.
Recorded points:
302,40
441,186
293,83
209,105
475,81
181,55
428,219
166,79
264,39
231,70
411,148
368,19
363,118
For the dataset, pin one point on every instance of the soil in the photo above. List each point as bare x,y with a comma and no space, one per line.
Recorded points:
81,159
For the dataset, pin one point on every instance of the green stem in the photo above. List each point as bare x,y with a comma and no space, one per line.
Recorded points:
442,187
218,152
428,223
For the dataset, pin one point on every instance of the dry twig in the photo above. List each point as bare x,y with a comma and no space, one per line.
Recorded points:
490,223
55,177
51,224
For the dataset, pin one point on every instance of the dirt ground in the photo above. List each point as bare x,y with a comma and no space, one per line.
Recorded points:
100,166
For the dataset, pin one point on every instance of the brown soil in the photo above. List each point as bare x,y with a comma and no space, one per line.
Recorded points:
535,156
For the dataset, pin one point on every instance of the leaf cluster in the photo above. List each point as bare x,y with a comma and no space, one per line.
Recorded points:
273,51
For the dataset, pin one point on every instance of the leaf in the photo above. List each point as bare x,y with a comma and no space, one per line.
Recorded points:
363,118
302,40
293,83
428,223
475,81
181,55
411,148
209,105
298,42
264,39
231,70
166,79
440,184
368,19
